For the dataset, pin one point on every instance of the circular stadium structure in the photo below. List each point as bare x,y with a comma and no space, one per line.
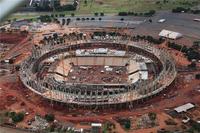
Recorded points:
98,72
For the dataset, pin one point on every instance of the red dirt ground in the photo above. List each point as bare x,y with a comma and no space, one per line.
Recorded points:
13,38
22,44
14,96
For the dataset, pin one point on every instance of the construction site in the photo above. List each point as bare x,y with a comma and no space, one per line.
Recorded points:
52,71
85,79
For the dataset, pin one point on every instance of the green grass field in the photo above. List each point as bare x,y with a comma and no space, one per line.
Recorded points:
115,6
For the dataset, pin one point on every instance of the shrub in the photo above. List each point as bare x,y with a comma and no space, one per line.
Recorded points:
195,126
197,76
193,54
174,46
45,18
96,14
49,117
196,44
127,124
195,11
101,14
63,21
150,13
68,21
147,14
180,9
68,7
122,13
152,116
16,117
72,14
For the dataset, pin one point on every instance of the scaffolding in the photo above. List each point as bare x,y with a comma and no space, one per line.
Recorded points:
97,94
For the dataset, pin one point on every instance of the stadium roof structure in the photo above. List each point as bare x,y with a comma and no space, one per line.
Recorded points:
170,34
184,108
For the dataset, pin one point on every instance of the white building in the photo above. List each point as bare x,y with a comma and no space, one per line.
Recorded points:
184,108
170,34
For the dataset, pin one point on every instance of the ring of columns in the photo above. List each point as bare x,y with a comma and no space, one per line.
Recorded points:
96,94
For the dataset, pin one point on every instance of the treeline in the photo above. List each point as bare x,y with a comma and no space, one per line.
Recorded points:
50,18
145,14
148,38
186,10
45,8
66,8
103,33
45,18
191,53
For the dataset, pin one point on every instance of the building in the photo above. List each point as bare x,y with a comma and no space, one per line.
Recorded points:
16,25
96,127
184,108
170,34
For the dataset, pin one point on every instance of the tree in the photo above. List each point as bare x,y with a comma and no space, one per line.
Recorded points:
68,21
96,14
195,127
101,14
55,36
127,124
72,14
152,116
16,117
63,21
49,117
197,76
45,18
85,2
122,13
193,54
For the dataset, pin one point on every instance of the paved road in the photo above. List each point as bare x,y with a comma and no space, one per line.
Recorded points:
179,22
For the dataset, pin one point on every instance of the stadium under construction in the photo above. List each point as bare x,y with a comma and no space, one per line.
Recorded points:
98,73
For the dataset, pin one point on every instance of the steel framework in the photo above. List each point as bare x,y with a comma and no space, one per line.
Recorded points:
97,94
